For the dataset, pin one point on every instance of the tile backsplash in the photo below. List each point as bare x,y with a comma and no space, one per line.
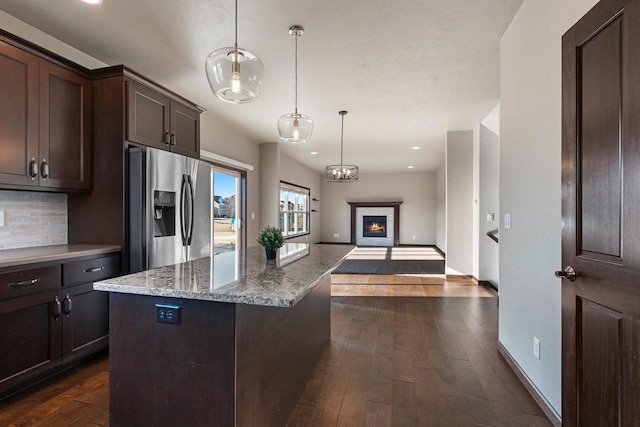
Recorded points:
33,219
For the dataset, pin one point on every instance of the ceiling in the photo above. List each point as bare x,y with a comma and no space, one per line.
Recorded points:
406,70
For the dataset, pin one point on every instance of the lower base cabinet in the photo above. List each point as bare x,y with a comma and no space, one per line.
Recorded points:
45,331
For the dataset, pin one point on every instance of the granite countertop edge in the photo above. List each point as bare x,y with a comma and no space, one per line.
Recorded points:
239,292
34,255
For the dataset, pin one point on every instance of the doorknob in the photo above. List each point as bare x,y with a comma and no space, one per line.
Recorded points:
568,273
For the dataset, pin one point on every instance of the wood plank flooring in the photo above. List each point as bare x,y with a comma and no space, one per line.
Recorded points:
402,361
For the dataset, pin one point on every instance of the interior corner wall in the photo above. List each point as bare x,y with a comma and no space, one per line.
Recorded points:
269,184
530,188
488,203
459,259
475,203
296,173
441,208
417,191
220,139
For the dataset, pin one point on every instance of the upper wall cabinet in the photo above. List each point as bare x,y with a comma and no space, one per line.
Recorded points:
45,117
157,121
18,117
65,128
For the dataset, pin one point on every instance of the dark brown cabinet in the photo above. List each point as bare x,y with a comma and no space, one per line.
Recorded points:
50,317
85,312
18,116
45,119
157,121
30,324
65,129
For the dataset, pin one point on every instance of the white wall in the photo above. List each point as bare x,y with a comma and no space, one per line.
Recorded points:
460,235
530,179
296,173
417,191
27,32
269,184
220,139
441,208
488,202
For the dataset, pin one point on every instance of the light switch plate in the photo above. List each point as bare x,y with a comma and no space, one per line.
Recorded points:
507,221
1,218
536,348
491,217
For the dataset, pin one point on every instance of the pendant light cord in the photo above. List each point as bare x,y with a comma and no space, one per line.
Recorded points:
236,45
341,141
296,73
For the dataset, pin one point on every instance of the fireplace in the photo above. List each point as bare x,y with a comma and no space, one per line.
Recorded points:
374,226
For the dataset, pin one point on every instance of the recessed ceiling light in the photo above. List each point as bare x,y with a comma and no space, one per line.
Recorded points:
314,152
93,1
410,167
415,147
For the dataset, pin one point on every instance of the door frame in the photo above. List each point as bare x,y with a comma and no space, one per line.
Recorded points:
241,201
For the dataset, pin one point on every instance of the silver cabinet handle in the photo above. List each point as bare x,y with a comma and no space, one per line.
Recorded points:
93,269
23,283
568,273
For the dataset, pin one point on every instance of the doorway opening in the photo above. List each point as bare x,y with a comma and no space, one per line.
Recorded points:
227,210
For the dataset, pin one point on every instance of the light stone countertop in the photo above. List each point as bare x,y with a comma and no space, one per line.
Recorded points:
238,277
24,256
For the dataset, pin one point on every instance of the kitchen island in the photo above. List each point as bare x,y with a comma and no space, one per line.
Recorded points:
229,340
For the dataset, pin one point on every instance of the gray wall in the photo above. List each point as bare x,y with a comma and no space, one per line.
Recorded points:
269,184
441,208
530,165
417,191
460,203
488,202
225,141
296,173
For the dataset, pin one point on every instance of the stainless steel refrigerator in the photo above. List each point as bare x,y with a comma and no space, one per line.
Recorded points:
169,208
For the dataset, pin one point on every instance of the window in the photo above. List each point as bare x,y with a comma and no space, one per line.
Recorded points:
294,210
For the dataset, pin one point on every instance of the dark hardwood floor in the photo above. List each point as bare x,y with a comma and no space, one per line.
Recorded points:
393,361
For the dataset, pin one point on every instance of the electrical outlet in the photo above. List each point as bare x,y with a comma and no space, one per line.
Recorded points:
336,235
490,217
168,314
507,221
253,215
2,218
536,348
414,237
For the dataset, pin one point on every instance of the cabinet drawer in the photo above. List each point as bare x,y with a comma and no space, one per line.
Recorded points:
90,270
26,282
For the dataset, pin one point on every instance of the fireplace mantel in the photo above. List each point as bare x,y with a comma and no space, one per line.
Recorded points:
396,211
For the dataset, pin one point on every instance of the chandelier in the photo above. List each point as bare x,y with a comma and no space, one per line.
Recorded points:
341,172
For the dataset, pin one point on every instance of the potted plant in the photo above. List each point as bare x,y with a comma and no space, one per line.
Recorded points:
272,240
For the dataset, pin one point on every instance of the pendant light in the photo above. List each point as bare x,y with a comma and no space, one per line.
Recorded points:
341,172
294,127
234,74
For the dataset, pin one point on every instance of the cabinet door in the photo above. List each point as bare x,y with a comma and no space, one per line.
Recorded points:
65,129
185,130
147,116
30,339
85,323
18,115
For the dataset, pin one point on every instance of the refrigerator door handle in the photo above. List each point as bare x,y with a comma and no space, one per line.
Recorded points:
191,209
183,231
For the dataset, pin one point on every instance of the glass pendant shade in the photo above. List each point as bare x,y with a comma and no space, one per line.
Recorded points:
295,128
234,74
